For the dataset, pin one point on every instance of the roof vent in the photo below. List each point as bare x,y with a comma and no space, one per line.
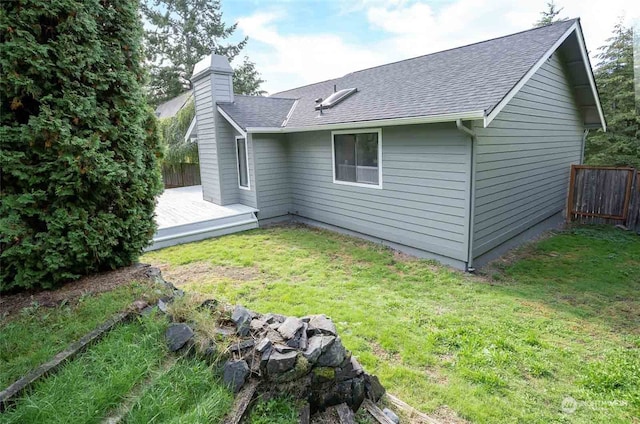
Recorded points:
336,98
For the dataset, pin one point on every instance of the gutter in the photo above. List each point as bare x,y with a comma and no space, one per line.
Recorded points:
479,114
472,183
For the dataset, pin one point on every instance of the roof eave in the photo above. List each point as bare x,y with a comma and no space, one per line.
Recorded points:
585,58
432,119
233,123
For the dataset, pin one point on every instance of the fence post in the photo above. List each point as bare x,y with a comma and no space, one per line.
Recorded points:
572,182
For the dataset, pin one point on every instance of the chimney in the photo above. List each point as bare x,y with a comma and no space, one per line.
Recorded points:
212,83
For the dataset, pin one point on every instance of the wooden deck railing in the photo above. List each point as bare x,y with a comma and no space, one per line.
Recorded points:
604,195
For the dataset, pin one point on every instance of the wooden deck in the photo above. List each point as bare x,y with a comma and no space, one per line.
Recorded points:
183,216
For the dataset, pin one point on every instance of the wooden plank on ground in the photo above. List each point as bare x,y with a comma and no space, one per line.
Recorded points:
241,403
412,413
9,395
376,412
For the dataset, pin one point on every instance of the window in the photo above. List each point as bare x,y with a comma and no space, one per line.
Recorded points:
357,158
243,162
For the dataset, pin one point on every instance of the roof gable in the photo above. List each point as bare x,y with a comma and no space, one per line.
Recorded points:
475,81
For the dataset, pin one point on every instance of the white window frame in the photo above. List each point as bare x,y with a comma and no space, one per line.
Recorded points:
333,156
246,146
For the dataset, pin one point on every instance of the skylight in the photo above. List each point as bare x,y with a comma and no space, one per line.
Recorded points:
336,98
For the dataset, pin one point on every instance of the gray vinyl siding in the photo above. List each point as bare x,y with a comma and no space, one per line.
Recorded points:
272,175
424,200
228,163
522,160
207,148
224,87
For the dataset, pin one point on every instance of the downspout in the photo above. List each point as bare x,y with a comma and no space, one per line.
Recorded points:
472,196
584,143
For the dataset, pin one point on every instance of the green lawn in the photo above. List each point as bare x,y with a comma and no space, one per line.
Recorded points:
38,333
562,321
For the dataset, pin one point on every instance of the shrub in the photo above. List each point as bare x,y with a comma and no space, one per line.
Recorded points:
79,147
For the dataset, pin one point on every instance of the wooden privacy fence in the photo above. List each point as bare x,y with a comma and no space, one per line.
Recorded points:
182,175
604,195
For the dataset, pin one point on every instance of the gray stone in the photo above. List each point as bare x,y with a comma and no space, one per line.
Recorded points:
224,332
281,362
257,324
163,305
263,345
290,327
178,335
373,388
334,355
322,324
278,347
391,415
357,392
210,304
235,374
274,318
275,325
241,317
244,345
304,340
315,347
274,336
349,369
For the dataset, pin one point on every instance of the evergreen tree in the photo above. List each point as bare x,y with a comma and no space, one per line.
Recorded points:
620,145
246,79
550,15
181,33
79,148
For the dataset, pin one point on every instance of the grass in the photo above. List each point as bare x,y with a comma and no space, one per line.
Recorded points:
562,321
38,333
89,386
188,392
278,410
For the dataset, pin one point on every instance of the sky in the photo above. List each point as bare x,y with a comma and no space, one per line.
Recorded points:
299,42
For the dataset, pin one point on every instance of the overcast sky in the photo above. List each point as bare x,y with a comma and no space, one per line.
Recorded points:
297,42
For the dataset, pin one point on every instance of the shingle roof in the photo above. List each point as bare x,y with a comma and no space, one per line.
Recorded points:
258,111
173,106
465,79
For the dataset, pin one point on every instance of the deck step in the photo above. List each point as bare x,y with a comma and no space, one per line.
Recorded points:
202,230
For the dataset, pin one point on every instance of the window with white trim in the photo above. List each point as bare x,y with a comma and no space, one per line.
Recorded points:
357,157
243,162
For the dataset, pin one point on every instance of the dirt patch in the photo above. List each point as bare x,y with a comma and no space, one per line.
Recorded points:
446,415
90,284
197,271
435,376
383,353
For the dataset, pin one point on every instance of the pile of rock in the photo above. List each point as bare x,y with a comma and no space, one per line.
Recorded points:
304,356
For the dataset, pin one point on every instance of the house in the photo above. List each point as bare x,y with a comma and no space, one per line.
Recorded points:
171,107
456,155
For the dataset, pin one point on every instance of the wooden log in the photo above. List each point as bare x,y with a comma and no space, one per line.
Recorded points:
412,413
10,394
376,412
242,402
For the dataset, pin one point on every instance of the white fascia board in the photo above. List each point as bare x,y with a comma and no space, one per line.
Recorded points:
592,81
452,117
232,122
192,126
506,99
